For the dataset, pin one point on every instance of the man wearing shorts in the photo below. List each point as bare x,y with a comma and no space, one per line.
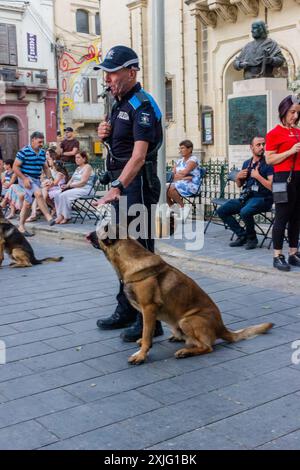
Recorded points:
28,166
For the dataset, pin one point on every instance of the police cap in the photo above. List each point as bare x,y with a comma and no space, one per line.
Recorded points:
119,57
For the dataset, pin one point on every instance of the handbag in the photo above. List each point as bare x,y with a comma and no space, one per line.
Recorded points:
280,190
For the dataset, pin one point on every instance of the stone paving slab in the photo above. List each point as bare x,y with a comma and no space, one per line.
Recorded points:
68,385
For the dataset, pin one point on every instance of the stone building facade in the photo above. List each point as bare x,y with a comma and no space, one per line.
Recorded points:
202,38
27,73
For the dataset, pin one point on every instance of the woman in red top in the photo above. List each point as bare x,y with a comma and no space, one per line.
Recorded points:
283,152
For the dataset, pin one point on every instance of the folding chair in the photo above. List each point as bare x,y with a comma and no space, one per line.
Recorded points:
219,201
192,199
83,207
268,220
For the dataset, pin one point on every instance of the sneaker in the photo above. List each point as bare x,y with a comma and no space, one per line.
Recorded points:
251,244
294,259
135,332
280,263
115,321
240,241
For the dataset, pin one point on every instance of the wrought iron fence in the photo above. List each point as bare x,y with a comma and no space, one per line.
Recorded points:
215,183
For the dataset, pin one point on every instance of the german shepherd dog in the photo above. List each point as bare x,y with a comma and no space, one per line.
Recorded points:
17,247
160,291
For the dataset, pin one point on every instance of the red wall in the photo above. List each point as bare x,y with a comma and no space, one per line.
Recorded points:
51,118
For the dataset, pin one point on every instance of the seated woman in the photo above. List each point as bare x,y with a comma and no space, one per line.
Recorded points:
186,177
60,178
79,185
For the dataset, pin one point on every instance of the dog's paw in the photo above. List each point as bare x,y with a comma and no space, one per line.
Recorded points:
139,342
181,353
137,358
175,339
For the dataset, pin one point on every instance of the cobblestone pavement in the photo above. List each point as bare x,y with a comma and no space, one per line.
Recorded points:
67,385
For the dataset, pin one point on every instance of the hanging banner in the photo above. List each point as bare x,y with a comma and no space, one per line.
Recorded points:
31,47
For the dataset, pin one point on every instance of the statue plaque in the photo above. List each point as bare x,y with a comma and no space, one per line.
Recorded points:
247,118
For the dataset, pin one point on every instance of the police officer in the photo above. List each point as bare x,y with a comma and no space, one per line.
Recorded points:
133,135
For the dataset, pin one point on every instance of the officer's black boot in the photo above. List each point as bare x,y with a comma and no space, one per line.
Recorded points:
123,316
119,319
135,332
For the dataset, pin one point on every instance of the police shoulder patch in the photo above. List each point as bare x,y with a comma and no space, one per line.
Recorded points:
144,119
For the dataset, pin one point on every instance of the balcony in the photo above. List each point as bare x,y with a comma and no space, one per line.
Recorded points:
24,80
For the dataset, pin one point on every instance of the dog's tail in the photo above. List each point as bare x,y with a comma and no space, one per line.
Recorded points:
48,260
250,331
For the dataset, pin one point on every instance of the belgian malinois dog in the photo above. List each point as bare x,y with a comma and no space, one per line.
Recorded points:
17,247
160,291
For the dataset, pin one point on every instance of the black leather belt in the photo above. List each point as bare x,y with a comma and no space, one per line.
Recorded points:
114,174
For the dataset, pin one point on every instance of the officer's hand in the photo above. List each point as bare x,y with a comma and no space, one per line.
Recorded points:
104,130
112,195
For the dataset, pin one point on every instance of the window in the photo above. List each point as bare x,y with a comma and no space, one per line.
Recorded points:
205,57
90,90
82,21
169,100
8,44
94,90
97,24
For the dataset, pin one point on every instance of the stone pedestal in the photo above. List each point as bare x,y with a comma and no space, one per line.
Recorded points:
252,110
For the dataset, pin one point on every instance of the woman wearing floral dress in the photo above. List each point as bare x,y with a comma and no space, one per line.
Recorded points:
186,177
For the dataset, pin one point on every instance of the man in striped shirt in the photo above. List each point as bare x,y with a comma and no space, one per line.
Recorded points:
28,166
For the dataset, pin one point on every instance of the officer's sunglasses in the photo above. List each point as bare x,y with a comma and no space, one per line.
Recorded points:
295,99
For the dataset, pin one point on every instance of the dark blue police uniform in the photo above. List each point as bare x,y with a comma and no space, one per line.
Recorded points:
136,117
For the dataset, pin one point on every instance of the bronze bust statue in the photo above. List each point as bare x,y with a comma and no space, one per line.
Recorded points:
259,57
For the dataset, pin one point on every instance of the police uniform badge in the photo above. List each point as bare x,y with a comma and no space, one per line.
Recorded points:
145,119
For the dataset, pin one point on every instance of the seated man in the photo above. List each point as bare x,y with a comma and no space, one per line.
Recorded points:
255,178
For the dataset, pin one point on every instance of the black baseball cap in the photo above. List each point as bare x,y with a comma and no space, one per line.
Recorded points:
117,58
69,129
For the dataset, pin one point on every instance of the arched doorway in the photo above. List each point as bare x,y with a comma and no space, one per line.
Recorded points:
9,137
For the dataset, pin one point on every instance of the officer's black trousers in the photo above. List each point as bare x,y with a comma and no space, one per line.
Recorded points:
138,192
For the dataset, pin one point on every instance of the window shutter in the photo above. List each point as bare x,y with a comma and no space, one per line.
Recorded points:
8,44
12,39
4,54
94,90
86,90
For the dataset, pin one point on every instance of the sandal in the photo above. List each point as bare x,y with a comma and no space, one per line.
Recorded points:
32,219
27,234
